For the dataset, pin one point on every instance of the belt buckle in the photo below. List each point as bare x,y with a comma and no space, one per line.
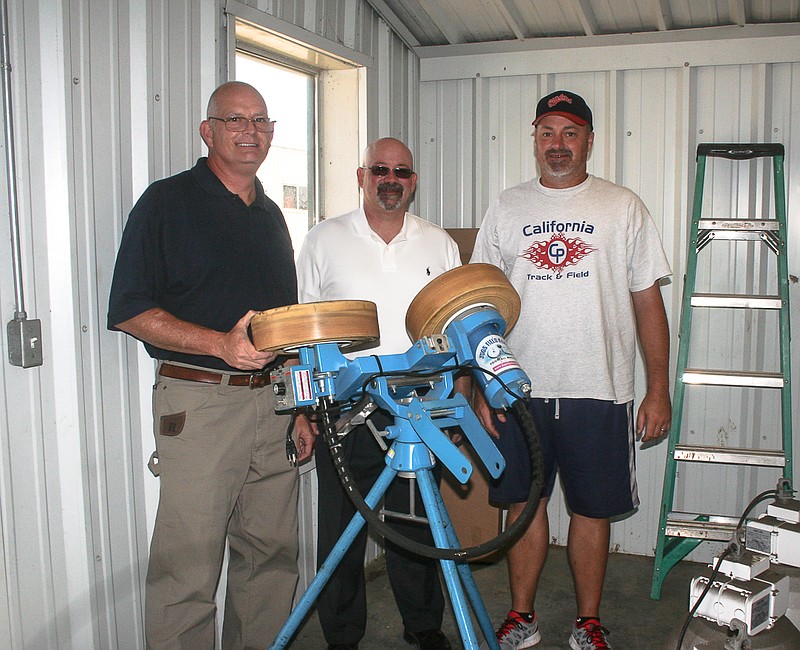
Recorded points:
257,380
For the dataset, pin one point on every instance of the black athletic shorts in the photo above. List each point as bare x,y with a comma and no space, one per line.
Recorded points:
589,443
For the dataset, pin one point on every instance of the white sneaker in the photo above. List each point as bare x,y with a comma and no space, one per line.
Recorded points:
516,633
590,636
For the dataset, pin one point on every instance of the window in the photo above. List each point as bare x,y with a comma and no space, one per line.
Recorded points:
288,173
315,92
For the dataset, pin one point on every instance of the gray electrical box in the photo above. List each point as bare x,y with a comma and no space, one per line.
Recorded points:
25,342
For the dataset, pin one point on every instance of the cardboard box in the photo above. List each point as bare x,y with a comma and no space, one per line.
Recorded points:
465,238
474,520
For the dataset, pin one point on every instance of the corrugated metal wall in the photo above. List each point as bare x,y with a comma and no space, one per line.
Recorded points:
651,111
107,97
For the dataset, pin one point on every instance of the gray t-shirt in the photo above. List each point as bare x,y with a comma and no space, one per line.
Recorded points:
574,255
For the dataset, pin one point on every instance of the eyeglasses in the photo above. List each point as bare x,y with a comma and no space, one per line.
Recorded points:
383,170
238,124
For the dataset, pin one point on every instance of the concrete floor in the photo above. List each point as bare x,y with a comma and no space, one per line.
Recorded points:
636,622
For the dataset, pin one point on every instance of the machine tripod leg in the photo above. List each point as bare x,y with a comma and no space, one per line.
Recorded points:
324,573
458,576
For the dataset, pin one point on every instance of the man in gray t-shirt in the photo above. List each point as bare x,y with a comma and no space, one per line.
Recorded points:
586,259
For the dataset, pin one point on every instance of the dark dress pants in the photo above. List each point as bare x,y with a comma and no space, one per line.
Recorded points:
342,606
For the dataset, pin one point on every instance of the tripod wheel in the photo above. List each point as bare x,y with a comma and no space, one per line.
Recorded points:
348,323
456,290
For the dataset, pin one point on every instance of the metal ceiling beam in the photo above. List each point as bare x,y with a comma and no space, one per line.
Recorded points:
662,14
442,19
512,16
583,10
391,18
729,45
738,12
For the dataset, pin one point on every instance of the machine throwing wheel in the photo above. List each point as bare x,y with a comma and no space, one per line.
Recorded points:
348,323
456,290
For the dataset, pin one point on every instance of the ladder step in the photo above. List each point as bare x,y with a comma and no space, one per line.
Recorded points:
752,225
731,455
694,526
740,151
732,378
744,301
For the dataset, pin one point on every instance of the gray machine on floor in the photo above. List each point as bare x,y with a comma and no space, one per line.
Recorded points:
751,598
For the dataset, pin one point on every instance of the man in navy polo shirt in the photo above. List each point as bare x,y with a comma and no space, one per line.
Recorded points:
201,253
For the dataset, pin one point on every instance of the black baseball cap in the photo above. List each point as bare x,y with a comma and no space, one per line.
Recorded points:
566,104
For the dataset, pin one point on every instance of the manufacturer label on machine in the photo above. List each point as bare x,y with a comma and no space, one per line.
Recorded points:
759,540
759,616
302,386
492,354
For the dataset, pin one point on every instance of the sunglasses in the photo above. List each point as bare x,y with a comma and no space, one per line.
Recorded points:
383,170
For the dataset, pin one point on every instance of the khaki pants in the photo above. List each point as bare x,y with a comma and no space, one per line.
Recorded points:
224,474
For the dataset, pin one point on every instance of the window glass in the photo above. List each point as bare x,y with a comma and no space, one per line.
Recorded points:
287,173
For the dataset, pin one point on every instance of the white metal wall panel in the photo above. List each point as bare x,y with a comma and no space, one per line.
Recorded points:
57,488
446,128
338,21
646,119
648,123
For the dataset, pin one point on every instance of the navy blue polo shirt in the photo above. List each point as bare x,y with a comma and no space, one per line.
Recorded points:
193,248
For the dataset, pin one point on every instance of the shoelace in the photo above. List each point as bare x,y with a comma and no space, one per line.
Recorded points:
596,634
511,623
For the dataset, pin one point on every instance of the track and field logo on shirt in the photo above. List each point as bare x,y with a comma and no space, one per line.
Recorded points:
557,253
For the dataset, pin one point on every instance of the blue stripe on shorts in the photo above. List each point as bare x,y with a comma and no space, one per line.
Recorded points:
588,442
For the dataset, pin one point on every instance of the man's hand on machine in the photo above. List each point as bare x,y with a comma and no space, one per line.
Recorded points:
484,413
305,435
237,350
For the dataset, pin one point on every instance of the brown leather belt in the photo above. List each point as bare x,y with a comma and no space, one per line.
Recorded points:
254,380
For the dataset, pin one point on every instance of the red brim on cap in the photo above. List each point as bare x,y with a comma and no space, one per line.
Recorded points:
570,116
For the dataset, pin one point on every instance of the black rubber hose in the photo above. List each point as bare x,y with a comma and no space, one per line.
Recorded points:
528,427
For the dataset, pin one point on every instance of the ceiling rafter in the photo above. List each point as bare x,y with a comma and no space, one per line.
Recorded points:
442,19
738,12
385,12
512,16
662,14
583,9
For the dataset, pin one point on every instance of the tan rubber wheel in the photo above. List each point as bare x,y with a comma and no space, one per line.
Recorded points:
457,290
348,323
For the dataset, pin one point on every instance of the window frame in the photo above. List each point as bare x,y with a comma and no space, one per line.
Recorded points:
341,97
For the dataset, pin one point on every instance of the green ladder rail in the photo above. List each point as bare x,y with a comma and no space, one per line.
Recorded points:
679,533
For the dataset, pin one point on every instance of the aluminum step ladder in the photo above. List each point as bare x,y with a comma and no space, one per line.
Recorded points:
681,532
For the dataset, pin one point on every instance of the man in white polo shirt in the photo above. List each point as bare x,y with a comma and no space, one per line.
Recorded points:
381,253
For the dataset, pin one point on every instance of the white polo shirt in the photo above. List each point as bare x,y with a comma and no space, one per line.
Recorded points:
344,259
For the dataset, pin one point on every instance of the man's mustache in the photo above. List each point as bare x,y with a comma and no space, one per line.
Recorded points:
390,187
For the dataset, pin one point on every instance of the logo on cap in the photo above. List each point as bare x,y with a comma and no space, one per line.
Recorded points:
558,99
